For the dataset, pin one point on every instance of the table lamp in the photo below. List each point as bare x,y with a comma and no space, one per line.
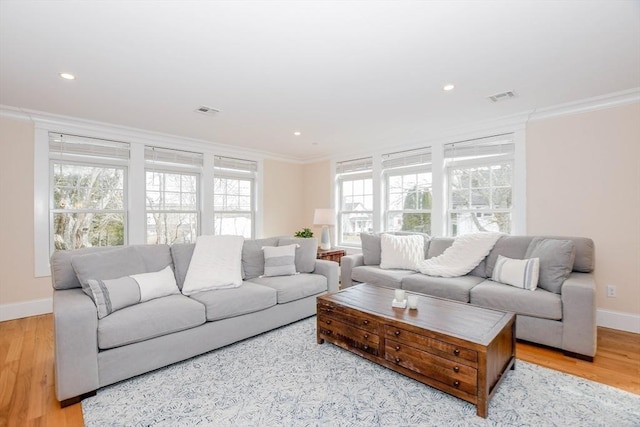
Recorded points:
325,218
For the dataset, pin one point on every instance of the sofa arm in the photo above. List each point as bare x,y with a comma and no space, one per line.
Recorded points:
579,331
75,325
347,264
328,269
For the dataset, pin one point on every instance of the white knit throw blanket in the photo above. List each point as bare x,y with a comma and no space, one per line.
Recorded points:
461,257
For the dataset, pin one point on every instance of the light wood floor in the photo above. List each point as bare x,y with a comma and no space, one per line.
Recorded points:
27,396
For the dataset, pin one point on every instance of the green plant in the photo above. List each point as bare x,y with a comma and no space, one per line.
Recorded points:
305,232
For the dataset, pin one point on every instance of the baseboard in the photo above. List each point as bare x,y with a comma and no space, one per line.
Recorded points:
25,309
618,320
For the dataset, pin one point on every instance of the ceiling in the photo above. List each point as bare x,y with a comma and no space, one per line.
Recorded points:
350,76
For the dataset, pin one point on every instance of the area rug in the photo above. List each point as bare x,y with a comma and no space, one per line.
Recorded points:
283,378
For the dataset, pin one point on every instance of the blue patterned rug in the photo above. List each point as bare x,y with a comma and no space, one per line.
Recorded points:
283,378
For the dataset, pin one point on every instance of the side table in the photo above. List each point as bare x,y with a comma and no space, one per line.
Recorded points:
331,254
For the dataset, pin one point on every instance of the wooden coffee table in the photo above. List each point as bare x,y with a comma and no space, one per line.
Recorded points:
458,348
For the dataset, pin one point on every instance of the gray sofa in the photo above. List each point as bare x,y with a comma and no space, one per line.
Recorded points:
91,353
565,319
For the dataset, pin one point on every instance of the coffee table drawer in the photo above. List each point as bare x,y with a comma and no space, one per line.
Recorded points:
454,374
432,345
338,332
350,317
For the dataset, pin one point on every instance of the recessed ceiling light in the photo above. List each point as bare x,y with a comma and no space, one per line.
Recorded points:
296,133
67,76
448,87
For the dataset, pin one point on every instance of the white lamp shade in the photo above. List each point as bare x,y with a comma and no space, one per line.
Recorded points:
324,217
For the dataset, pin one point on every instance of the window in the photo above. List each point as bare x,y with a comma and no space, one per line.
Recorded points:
87,192
234,196
172,187
479,185
408,196
355,187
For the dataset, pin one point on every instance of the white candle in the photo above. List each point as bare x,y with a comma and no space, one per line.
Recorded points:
399,295
413,301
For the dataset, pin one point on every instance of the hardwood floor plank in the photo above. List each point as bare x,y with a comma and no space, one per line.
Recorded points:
27,383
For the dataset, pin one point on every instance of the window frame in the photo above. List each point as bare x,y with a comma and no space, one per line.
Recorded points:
220,172
352,177
88,162
198,204
403,172
493,158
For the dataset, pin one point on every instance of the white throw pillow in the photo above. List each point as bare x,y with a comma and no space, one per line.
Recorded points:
157,284
404,252
521,273
280,260
216,264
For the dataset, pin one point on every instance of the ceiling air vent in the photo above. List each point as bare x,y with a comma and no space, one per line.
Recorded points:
502,96
203,109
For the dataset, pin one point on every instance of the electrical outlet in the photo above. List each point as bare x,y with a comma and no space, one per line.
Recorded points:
611,291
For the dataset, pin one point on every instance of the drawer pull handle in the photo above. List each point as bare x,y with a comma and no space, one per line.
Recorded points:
328,322
366,336
397,348
456,369
456,383
327,332
396,333
366,347
456,352
397,360
365,322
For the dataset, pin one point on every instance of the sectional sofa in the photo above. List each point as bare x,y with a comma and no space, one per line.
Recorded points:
92,352
563,317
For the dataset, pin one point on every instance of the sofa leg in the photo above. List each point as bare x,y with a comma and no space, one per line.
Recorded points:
77,399
578,356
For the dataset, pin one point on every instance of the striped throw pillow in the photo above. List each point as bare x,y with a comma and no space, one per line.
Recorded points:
279,260
521,273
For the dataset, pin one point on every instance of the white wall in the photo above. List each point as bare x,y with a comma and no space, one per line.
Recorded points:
19,289
583,179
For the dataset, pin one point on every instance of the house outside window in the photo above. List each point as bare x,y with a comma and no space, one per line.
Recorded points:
480,185
355,187
172,180
407,181
87,192
234,196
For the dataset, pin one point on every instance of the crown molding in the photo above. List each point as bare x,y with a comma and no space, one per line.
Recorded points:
601,102
66,124
468,131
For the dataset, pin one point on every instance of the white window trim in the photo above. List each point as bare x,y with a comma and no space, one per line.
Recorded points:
353,177
136,189
439,222
386,174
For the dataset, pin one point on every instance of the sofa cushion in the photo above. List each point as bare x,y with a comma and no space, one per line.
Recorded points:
216,263
181,254
514,247
279,260
370,248
224,303
375,275
148,320
107,265
538,303
455,288
291,288
253,256
115,294
521,273
556,261
403,252
306,252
